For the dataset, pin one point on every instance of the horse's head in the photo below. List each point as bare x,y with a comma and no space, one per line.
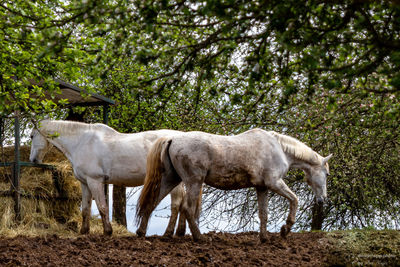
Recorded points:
316,178
39,147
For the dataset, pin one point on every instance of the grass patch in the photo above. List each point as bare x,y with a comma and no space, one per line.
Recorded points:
364,247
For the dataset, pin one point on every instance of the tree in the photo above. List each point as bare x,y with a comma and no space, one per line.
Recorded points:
324,72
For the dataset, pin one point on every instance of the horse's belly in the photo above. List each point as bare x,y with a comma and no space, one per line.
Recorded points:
229,182
132,181
126,177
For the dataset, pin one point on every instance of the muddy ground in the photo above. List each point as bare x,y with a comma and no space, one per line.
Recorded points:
219,249
350,248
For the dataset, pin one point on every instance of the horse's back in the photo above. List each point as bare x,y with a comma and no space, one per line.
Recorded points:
122,157
227,162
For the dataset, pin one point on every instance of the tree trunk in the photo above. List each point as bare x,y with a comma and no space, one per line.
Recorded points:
318,216
119,205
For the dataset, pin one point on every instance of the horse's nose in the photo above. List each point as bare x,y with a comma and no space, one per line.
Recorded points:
320,200
35,160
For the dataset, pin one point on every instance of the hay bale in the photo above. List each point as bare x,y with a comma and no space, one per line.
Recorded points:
46,195
37,219
7,154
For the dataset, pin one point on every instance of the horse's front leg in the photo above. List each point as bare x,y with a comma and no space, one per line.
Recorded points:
86,208
262,199
282,189
97,189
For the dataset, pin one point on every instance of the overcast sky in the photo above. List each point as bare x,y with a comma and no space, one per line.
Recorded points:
159,219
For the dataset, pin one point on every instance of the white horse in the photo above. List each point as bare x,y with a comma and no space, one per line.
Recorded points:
100,155
255,158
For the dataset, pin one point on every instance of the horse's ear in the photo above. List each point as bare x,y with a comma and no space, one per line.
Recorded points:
325,160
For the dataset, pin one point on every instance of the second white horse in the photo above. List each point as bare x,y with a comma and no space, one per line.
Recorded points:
100,155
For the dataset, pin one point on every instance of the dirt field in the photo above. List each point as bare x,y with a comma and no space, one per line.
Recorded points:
353,248
308,249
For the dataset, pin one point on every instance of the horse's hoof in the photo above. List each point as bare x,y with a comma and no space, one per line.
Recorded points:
84,231
285,231
140,233
108,232
263,239
167,235
199,239
180,232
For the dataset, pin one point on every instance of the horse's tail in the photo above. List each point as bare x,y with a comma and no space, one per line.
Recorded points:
155,167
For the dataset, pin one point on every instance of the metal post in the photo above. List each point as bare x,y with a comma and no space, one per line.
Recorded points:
105,114
1,131
16,171
105,121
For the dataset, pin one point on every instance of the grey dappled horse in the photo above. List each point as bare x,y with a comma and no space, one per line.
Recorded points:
100,155
255,158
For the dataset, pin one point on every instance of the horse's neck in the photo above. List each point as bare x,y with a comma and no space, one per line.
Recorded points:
299,155
65,147
66,143
295,163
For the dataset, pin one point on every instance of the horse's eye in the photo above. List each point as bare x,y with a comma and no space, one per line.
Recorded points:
31,136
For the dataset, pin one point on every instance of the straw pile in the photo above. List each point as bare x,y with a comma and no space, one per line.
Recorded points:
49,198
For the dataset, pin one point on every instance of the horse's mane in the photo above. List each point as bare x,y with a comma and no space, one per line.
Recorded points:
297,149
72,127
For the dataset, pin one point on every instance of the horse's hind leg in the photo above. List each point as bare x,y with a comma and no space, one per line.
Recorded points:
86,207
193,189
177,195
97,189
262,199
181,230
141,231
